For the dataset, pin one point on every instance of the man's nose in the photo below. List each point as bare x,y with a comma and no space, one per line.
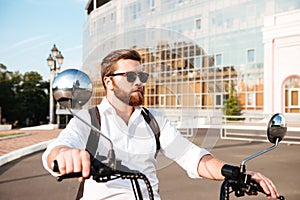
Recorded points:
138,81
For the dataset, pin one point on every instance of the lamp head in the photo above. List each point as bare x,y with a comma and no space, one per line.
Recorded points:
50,61
54,50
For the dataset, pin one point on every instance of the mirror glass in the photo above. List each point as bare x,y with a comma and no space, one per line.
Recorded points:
277,128
72,88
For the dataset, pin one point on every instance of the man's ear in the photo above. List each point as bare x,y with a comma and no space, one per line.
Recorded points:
108,83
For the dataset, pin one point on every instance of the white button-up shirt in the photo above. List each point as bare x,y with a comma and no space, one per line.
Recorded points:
134,144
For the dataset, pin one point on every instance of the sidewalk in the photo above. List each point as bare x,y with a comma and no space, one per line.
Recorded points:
31,140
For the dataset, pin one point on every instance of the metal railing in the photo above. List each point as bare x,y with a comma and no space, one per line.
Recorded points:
254,128
246,127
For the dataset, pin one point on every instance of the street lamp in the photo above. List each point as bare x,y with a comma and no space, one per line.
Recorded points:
54,61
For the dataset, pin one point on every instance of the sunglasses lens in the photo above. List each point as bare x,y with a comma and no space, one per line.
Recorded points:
131,76
143,77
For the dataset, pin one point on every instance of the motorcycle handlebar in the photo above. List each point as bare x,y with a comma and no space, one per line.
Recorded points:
101,172
239,182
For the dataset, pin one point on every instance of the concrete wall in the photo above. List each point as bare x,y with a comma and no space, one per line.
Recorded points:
5,127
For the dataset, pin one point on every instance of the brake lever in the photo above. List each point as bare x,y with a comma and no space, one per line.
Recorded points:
240,183
254,187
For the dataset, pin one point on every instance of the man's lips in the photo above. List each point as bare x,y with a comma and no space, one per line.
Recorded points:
137,91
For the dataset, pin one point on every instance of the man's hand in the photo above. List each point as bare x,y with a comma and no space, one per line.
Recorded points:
71,160
266,184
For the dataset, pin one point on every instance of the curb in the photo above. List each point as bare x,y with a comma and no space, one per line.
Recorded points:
14,136
23,152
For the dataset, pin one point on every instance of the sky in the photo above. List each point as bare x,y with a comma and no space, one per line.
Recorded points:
30,28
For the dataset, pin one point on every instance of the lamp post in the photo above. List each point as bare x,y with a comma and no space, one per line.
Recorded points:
54,61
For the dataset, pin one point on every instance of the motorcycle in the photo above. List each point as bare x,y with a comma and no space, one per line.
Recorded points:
72,88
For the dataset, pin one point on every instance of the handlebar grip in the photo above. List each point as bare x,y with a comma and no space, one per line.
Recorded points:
231,172
71,175
55,168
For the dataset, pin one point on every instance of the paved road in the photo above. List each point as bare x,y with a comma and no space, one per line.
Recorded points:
26,179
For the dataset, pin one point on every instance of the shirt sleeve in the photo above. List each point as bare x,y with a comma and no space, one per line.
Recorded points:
178,148
75,135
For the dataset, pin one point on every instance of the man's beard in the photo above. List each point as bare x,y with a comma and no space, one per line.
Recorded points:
135,99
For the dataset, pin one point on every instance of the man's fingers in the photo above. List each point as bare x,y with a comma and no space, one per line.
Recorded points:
74,160
61,165
77,162
270,187
266,184
86,164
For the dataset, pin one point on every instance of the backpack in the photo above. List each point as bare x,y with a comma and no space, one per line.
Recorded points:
93,139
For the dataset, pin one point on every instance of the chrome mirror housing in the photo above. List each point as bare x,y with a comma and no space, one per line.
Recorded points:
277,128
72,88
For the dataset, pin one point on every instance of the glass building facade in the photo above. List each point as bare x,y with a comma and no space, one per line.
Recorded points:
196,51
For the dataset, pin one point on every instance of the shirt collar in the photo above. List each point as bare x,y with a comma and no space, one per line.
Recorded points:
105,106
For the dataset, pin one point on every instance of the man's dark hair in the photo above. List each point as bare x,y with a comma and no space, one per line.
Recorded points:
108,63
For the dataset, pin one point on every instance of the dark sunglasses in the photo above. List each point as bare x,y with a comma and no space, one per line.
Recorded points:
131,76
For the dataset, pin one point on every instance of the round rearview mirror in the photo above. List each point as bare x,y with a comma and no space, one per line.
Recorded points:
277,128
72,88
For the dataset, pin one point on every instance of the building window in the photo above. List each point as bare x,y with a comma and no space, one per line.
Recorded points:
198,62
162,100
136,11
292,95
294,101
93,27
250,55
219,59
178,100
251,97
152,5
229,22
218,99
295,98
197,100
112,16
198,24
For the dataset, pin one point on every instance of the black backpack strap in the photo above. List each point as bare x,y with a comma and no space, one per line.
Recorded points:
92,142
150,119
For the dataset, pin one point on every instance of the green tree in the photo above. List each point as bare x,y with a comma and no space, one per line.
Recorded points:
231,107
33,99
7,94
24,98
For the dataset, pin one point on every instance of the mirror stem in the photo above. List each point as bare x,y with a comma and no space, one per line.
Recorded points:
242,166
